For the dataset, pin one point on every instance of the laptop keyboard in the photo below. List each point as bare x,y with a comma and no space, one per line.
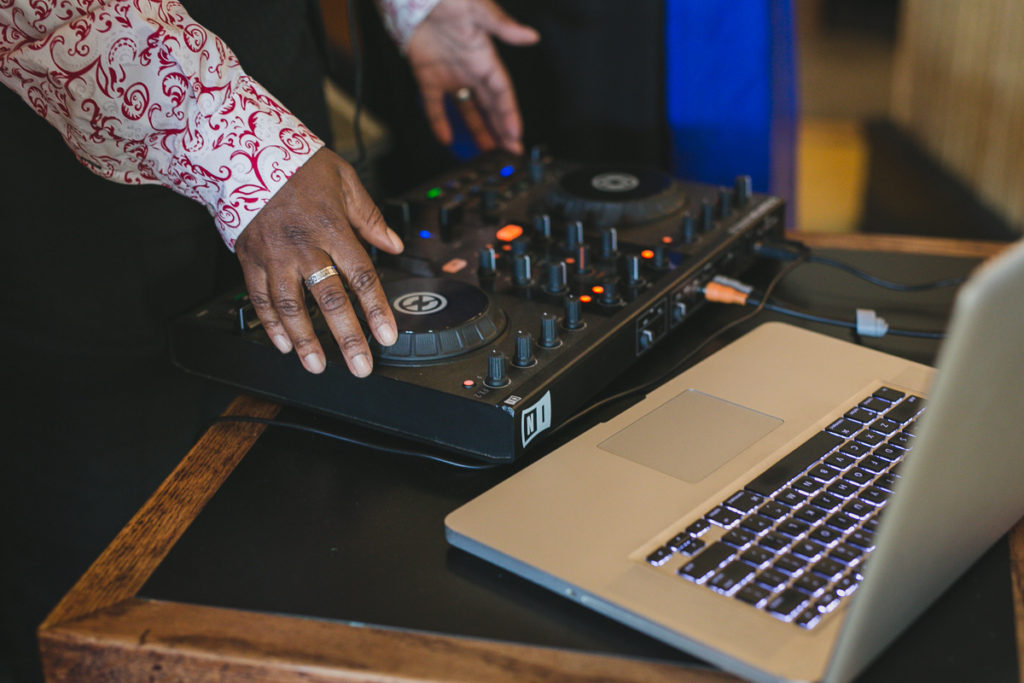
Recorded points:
792,541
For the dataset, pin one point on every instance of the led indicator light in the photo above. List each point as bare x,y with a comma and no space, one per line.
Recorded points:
647,253
425,234
468,383
665,239
509,232
506,247
434,193
586,298
597,289
570,260
506,171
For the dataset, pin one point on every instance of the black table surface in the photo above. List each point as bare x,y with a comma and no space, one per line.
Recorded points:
314,527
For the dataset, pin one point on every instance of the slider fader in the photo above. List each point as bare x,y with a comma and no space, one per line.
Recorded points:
527,284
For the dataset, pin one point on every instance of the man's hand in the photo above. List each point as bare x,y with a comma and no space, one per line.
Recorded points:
311,223
451,49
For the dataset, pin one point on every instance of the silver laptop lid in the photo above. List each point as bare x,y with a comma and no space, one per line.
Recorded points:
963,487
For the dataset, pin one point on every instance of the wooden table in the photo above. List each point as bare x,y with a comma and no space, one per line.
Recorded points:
103,630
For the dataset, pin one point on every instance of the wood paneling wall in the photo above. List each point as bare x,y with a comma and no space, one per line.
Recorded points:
958,87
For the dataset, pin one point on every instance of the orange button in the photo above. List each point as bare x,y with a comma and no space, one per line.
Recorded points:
586,298
454,265
665,239
647,253
509,232
597,289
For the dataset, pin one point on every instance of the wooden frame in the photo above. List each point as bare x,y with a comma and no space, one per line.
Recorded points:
102,626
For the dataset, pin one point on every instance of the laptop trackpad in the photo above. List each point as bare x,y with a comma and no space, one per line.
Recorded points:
690,436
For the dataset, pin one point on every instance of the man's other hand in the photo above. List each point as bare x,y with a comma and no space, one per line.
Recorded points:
451,51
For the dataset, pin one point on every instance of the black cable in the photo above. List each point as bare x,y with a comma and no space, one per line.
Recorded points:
675,367
355,442
781,252
896,286
811,317
357,64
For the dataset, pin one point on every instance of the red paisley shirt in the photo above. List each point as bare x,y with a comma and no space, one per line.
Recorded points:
143,94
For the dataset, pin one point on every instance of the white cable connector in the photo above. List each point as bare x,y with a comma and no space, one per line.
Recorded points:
869,324
735,284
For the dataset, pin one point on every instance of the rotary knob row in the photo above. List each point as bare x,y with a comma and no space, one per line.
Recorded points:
523,354
556,280
497,362
488,189
718,209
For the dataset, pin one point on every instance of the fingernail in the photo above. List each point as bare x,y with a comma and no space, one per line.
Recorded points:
283,343
314,363
396,241
361,365
387,334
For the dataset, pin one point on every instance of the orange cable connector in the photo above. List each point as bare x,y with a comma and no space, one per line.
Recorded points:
723,294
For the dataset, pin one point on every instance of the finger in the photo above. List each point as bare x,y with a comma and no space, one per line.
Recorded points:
495,21
363,281
259,296
498,99
433,107
289,303
477,125
334,304
359,272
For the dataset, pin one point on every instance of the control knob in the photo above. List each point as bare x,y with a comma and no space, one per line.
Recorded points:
523,270
488,260
548,331
707,216
556,278
744,189
610,293
573,313
688,231
523,357
542,226
573,235
583,259
609,244
723,203
497,370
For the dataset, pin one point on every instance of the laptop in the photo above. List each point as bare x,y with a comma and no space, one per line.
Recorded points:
786,507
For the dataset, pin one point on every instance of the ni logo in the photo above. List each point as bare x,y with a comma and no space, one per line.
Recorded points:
535,419
420,303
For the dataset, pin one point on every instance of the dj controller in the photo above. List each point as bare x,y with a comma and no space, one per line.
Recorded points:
526,285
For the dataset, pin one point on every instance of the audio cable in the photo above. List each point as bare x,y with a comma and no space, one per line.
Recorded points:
867,322
787,250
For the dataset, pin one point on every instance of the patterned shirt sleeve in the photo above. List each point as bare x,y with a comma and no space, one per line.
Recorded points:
401,17
142,94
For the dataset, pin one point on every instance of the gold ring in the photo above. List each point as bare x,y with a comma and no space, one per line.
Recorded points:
463,95
322,274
